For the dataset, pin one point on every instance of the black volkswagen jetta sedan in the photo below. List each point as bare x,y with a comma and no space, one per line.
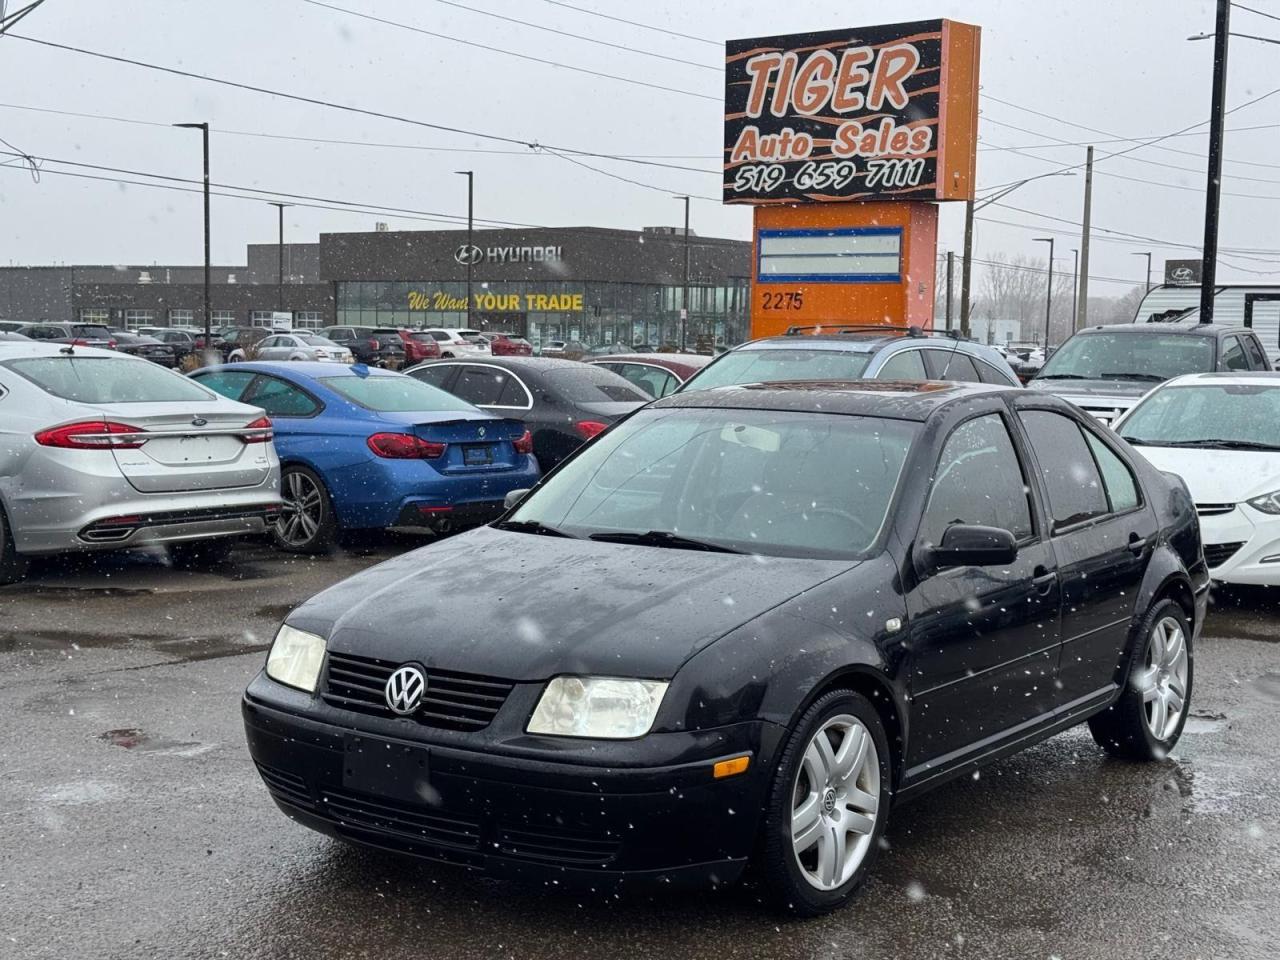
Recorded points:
740,624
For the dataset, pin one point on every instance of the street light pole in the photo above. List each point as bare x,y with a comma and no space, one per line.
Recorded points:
684,298
1146,289
471,179
1048,300
1209,268
280,254
204,130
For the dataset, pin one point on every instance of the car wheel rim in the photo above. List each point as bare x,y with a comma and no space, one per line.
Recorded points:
835,802
301,512
1163,678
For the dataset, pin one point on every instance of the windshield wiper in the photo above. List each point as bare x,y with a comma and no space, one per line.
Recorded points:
533,526
1151,377
1061,376
662,538
1213,444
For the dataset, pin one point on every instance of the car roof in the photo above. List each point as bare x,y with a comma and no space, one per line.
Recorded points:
1180,327
862,341
518,363
11,350
894,399
311,369
1227,378
665,360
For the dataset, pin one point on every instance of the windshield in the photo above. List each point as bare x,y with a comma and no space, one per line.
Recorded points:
1230,413
1135,356
586,384
395,394
770,482
107,380
772,366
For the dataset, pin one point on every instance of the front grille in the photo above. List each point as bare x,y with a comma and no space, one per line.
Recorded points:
412,823
453,701
1216,554
1214,509
286,786
554,845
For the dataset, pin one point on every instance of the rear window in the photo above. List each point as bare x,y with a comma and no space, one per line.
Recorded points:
317,341
107,380
398,394
423,337
91,331
593,385
775,365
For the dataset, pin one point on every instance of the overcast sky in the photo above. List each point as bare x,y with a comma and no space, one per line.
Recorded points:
1121,67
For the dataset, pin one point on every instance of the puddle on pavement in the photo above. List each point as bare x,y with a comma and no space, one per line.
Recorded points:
131,738
1205,723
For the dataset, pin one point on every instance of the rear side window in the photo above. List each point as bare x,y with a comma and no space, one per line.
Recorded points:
978,481
951,365
437,374
1257,358
1067,467
514,395
229,383
281,399
1122,489
904,365
107,380
480,385
1233,357
991,374
588,384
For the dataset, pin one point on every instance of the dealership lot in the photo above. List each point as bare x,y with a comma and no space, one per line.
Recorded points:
135,824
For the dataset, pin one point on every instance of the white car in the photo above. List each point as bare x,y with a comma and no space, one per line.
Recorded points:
300,346
1220,432
459,342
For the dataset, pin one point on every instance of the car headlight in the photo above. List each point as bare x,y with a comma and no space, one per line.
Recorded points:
600,707
295,658
1267,503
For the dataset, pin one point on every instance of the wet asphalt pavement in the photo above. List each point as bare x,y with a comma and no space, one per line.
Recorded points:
132,823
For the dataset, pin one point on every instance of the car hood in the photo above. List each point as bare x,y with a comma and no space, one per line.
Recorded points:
527,607
1219,476
1094,389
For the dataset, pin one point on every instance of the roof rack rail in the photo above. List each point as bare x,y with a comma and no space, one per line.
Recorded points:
911,331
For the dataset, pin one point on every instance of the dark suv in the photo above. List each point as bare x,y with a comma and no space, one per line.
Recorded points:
1106,370
78,334
374,346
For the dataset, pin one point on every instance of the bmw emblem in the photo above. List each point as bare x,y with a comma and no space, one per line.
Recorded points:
405,689
468,254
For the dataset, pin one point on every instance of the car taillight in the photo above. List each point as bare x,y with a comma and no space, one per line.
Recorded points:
405,446
111,344
374,344
589,428
264,434
523,443
92,435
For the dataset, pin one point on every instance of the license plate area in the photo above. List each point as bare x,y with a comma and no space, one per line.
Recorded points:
477,455
385,768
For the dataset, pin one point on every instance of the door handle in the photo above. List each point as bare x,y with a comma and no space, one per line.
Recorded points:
1136,543
1043,580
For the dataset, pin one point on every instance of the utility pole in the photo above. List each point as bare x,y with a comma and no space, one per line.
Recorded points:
1146,289
966,268
1209,269
951,265
1048,300
471,179
1075,281
280,254
1082,318
684,299
208,313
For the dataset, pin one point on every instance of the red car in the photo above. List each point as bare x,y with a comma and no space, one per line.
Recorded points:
657,374
419,346
508,345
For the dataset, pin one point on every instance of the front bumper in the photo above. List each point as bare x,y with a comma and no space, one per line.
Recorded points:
1242,546
513,814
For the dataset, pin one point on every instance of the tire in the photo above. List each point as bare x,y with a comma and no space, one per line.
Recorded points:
1147,719
236,356
200,554
13,565
307,523
813,812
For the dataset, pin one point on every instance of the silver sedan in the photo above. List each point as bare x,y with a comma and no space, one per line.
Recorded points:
100,450
300,346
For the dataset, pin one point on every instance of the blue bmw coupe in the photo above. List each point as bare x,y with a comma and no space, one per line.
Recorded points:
362,448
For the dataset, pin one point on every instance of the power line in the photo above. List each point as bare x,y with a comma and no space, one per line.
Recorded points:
362,111
1059,144
1026,268
579,36
618,176
1260,13
510,53
634,23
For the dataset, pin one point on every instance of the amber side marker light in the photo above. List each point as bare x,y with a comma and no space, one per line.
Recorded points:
730,768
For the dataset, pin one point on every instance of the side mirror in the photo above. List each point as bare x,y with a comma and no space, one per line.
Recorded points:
966,545
513,498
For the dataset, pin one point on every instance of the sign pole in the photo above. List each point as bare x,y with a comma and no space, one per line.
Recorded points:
966,269
1209,271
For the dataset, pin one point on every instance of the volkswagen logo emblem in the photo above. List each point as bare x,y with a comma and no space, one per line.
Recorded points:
468,253
404,690
198,421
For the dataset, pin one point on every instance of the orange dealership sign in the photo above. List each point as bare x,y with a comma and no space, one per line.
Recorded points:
887,112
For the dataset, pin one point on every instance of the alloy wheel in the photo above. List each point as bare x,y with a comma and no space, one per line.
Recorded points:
1163,678
835,800
302,511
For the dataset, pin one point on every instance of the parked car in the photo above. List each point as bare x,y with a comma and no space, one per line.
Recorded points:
76,334
13,337
1106,370
459,342
12,326
184,343
369,346
507,344
100,450
563,349
873,353
757,618
657,374
1024,358
301,346
1220,432
419,346
363,448
148,348
237,343
565,403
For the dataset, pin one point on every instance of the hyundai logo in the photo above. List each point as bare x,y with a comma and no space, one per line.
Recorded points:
404,690
198,421
1182,274
468,254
